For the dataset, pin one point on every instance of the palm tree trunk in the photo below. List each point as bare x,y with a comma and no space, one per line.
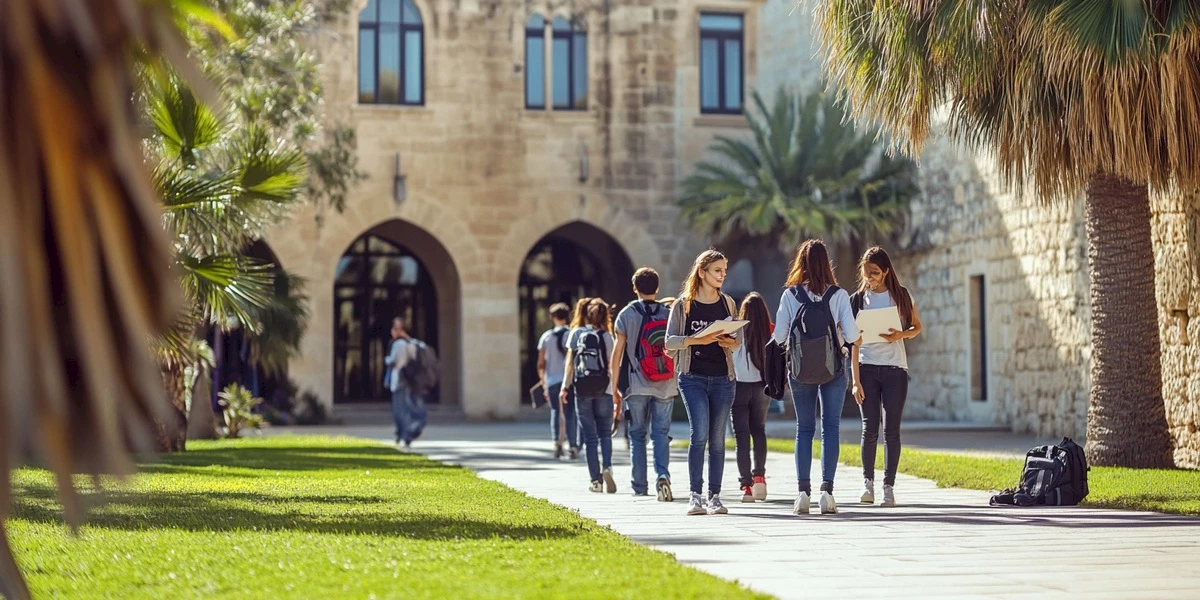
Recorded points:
172,434
1127,424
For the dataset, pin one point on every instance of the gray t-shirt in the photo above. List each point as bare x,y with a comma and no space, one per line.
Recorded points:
629,324
555,358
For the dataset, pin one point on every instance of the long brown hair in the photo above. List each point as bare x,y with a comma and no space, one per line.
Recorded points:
599,315
580,313
811,268
879,257
691,285
754,309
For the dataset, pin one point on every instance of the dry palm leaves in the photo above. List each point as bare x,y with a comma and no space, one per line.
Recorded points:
83,255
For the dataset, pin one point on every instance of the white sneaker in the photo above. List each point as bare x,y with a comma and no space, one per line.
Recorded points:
868,495
715,507
801,505
760,488
828,506
696,505
664,490
596,487
889,496
610,484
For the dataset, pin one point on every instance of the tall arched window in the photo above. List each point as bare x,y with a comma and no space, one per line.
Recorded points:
569,61
391,53
535,62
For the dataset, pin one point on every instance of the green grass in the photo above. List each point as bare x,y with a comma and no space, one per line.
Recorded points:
1174,491
327,518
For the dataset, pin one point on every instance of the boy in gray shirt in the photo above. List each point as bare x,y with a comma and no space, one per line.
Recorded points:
640,331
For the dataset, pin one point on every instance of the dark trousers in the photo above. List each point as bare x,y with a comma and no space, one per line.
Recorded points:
885,390
750,405
568,408
595,427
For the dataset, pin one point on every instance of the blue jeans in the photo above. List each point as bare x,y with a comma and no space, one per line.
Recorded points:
804,397
708,400
595,425
409,414
568,408
655,414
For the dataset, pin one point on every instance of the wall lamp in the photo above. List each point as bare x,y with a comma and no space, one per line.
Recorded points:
399,190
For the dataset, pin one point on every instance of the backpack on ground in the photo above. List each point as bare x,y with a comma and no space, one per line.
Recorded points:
813,352
422,371
591,363
650,351
1054,475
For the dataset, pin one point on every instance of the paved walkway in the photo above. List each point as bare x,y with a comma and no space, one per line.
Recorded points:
937,543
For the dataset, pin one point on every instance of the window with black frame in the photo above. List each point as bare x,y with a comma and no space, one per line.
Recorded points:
722,41
569,73
391,53
535,62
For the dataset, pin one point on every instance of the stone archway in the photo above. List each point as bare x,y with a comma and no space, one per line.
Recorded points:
394,269
573,261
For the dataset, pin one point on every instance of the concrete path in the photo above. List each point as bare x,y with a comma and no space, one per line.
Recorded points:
937,543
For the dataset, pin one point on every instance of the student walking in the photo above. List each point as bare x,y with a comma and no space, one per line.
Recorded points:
640,332
406,411
587,374
551,365
706,374
816,323
750,401
881,386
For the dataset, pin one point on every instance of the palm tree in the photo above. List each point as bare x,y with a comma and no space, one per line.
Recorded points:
222,185
1097,99
807,172
84,260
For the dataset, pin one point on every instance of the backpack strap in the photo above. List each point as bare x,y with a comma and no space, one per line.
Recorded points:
856,302
729,304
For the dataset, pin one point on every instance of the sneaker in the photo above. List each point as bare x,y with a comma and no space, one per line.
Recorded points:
596,487
800,507
664,490
760,487
558,450
636,494
610,484
407,445
748,493
828,505
715,507
696,505
573,454
868,495
889,496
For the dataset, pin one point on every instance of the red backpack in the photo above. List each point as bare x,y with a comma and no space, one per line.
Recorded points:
650,352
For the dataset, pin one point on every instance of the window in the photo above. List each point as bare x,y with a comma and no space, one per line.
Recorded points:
721,40
535,62
568,53
978,325
391,49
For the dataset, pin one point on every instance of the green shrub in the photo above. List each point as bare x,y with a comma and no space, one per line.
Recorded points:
238,405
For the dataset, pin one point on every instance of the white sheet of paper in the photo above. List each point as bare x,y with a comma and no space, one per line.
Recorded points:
727,327
876,322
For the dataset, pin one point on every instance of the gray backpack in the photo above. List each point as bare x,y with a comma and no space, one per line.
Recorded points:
814,354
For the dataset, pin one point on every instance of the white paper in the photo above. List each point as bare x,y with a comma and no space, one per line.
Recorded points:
876,322
726,327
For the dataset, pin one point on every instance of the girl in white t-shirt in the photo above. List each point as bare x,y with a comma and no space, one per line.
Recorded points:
882,386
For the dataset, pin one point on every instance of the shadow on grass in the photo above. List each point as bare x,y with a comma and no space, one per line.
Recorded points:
288,458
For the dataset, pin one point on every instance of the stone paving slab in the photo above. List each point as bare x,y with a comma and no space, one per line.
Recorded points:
939,543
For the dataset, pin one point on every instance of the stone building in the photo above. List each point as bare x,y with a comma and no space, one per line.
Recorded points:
523,153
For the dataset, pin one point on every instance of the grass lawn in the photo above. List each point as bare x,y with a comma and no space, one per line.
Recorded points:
303,517
1163,490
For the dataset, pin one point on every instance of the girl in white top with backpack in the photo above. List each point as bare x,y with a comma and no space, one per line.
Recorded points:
816,325
882,386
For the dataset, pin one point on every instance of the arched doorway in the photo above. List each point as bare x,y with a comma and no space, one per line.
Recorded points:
571,262
377,279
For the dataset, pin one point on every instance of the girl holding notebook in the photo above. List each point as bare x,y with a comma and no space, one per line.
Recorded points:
882,386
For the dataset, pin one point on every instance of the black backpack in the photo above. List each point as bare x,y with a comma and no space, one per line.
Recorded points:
591,363
813,352
560,339
1053,476
423,370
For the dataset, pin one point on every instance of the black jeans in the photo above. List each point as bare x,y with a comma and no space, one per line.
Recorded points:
750,405
885,389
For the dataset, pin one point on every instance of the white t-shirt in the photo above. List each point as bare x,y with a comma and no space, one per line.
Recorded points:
880,352
555,357
743,367
607,340
839,305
